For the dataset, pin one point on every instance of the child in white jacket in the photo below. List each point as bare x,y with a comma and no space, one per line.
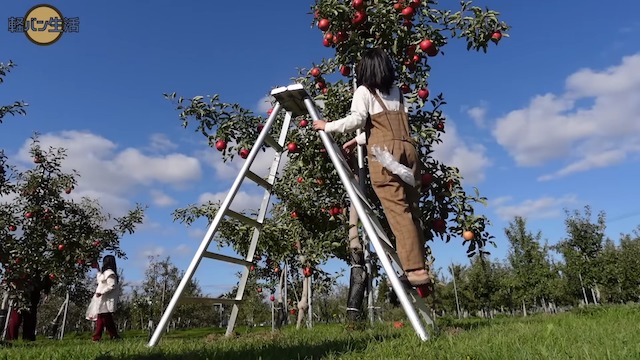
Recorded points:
103,303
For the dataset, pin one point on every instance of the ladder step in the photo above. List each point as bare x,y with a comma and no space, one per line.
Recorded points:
258,180
272,142
204,300
225,258
243,219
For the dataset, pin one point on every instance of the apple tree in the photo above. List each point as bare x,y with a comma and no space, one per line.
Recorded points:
17,108
311,200
44,232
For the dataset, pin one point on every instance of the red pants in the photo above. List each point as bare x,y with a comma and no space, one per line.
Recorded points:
28,321
105,321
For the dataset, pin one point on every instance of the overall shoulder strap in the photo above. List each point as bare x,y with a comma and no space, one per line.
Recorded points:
378,99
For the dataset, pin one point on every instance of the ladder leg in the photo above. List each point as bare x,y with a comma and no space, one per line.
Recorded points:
261,215
369,227
213,227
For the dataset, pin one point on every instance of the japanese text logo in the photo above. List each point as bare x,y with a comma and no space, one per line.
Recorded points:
44,24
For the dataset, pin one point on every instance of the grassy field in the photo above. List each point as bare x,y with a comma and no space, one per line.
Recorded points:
592,333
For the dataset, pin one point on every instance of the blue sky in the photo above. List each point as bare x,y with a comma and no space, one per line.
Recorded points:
545,120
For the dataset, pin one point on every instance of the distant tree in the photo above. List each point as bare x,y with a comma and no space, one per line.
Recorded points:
581,250
531,269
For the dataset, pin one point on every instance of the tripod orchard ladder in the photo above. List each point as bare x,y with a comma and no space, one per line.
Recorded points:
295,101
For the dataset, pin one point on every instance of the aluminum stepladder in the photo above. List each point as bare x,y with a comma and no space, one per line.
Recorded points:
295,101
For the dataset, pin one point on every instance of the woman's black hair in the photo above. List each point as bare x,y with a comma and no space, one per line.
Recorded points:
376,71
109,263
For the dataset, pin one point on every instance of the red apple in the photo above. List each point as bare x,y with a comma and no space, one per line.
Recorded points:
28,215
292,147
244,153
408,12
325,90
303,123
411,50
423,93
416,58
315,72
440,126
407,23
398,324
259,290
307,271
61,247
329,37
340,37
80,262
414,3
52,276
398,6
429,47
221,145
405,88
12,228
324,24
68,190
253,267
292,311
269,111
272,298
345,70
276,269
294,215
426,180
95,265
321,84
357,4
359,18
439,225
37,160
468,235
260,127
300,179
96,243
496,36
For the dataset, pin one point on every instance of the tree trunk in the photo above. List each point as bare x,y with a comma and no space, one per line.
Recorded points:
303,305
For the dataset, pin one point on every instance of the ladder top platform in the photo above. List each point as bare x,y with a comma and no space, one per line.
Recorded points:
291,98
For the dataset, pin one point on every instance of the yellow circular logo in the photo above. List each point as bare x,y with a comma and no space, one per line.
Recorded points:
43,24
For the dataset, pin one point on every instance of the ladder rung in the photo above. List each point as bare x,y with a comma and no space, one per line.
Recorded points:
258,180
204,300
225,258
271,142
243,219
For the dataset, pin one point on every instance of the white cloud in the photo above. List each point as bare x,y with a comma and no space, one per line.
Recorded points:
196,232
110,174
152,251
183,249
478,114
593,123
241,202
161,142
264,104
544,207
161,199
470,158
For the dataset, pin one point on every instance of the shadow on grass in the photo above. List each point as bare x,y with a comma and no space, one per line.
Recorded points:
266,351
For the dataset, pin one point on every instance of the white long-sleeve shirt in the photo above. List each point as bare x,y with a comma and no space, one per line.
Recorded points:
363,104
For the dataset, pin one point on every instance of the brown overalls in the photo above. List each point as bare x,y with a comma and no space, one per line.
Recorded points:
399,200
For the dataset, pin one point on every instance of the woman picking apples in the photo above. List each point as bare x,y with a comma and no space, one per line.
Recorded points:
378,107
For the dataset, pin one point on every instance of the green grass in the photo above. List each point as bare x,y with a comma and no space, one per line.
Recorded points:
593,333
